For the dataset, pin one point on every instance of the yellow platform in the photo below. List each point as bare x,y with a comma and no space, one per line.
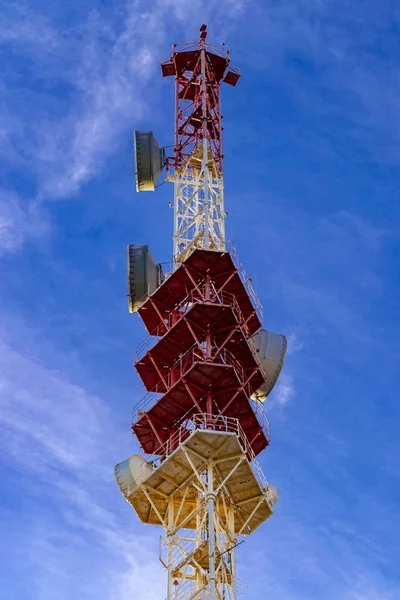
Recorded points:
174,484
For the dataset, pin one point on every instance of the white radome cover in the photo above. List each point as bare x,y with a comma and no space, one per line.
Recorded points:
271,493
271,350
131,472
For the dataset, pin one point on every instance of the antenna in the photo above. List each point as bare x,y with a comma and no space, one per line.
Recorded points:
149,161
207,364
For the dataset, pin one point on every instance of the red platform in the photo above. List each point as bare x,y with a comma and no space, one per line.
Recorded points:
218,322
188,396
188,282
201,358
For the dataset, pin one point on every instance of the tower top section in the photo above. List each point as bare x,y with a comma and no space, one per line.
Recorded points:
199,69
196,165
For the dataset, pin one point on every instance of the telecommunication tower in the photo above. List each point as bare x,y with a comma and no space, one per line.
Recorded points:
207,364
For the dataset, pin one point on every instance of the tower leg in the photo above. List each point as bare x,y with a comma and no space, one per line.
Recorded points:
196,494
170,542
212,594
206,202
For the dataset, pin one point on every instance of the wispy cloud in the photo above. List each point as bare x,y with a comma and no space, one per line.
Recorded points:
284,390
62,443
19,221
294,343
86,84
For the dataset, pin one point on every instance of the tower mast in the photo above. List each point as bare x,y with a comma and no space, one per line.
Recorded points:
199,215
206,364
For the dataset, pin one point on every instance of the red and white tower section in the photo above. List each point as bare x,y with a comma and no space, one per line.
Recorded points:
207,364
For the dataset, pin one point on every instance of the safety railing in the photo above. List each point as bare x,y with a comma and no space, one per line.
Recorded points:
179,555
206,422
197,295
200,421
261,416
257,357
167,268
186,589
240,586
225,356
197,354
144,405
245,280
148,342
222,423
180,551
179,369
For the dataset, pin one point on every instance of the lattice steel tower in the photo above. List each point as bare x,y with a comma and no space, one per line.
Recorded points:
207,365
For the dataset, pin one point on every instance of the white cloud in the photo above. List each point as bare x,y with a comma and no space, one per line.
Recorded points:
89,87
19,221
107,64
284,389
62,443
294,344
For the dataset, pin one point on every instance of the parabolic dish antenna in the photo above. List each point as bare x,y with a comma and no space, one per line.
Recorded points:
149,161
271,349
143,275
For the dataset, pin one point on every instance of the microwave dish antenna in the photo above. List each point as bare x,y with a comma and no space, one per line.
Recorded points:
149,161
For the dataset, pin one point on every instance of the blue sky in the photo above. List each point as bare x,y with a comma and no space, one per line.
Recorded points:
312,138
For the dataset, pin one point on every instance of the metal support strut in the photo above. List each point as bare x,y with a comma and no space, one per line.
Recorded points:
211,532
